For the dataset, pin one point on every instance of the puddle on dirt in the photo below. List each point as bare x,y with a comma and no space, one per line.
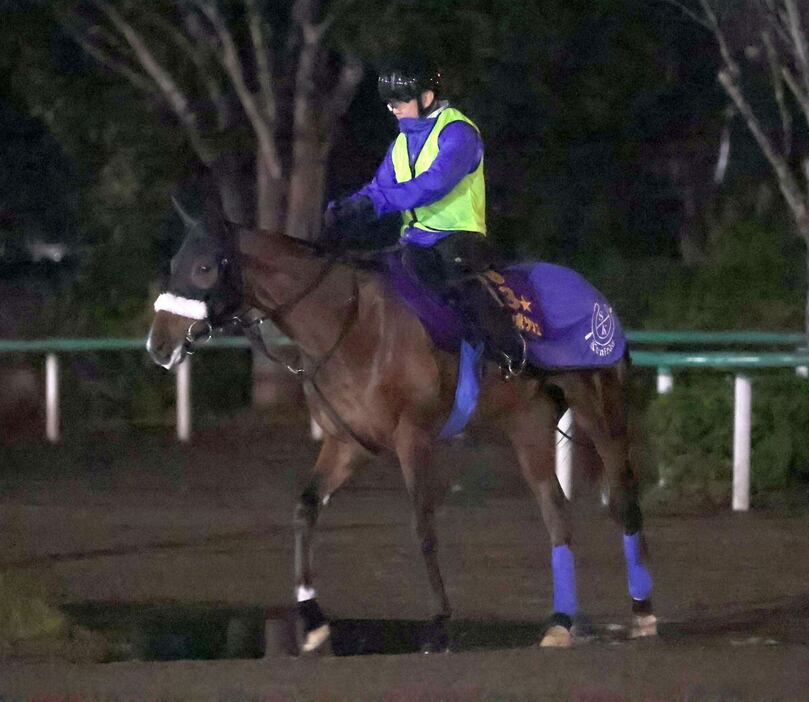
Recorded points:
157,632
206,632
165,632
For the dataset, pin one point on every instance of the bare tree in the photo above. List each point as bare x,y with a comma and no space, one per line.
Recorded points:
247,80
770,36
258,89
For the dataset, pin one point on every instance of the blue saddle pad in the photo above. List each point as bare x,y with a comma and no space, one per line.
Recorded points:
566,322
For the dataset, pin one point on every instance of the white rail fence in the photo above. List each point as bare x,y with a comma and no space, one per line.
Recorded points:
739,362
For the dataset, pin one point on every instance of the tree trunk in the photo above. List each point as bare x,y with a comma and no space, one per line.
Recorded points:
269,197
804,230
306,187
806,313
230,182
690,250
273,385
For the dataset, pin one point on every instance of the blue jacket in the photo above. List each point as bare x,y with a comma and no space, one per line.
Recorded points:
460,152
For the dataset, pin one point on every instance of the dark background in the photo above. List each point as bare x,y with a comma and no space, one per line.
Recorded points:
602,124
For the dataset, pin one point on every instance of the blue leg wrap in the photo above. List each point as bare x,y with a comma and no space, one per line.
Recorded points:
638,577
564,581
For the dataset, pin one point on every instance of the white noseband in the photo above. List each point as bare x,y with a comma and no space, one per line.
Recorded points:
181,306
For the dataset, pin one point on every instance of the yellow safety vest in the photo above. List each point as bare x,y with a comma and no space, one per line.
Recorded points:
464,207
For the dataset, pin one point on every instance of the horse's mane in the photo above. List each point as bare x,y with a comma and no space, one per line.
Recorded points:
373,260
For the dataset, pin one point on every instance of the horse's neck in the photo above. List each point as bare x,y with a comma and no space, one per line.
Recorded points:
278,271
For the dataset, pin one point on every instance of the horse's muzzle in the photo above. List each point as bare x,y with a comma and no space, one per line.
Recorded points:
166,343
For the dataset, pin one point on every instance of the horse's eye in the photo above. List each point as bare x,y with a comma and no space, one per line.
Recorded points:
204,269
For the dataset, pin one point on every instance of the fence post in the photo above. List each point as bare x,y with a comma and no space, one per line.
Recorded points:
665,380
742,411
564,454
184,400
52,418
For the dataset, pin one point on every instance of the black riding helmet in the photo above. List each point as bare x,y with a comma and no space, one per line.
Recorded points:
403,81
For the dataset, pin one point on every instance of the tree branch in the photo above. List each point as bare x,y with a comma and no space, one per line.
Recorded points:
689,13
786,181
350,77
202,42
724,49
166,84
261,52
800,96
233,67
303,16
198,54
107,59
778,90
799,41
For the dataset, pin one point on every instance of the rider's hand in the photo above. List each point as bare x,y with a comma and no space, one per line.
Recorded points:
349,211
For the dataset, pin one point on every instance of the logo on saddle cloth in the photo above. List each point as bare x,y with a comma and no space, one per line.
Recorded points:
523,314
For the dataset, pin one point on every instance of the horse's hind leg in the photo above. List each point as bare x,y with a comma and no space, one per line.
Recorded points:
414,449
532,434
598,402
334,466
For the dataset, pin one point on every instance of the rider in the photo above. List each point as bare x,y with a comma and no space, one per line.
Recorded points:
433,174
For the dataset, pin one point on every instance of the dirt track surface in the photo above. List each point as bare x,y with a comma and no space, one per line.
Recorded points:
133,526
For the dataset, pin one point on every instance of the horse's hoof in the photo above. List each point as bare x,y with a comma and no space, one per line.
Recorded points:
315,641
435,638
430,648
557,636
643,625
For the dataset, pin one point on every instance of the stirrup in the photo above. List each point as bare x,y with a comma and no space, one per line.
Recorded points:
507,369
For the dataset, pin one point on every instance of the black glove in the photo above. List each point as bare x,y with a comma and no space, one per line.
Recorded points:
349,212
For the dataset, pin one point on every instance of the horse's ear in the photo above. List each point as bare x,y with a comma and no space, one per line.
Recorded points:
188,221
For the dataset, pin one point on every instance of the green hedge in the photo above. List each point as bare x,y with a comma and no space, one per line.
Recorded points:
690,434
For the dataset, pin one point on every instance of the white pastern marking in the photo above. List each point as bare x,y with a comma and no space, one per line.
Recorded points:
305,593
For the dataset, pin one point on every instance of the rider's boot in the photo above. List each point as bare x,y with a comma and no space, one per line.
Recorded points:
485,313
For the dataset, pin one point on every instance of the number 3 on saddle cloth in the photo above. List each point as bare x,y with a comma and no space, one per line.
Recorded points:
567,324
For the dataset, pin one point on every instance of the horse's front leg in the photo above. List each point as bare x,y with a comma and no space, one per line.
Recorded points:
414,449
532,434
334,466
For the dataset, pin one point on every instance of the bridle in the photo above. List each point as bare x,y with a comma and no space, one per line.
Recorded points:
251,323
250,320
252,327
191,338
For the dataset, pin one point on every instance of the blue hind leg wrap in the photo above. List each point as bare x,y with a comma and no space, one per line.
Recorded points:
564,581
638,577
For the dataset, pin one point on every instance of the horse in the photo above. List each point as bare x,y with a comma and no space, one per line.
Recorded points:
375,380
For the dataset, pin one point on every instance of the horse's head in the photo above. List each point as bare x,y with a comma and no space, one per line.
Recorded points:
204,288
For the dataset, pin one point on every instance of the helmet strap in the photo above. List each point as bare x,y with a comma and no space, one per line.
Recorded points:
425,110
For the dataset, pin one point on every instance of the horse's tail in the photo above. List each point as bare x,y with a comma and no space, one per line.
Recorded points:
624,366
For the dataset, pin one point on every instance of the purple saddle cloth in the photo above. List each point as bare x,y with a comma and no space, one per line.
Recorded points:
566,322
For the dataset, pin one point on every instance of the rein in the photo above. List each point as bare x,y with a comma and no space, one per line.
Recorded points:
252,329
284,308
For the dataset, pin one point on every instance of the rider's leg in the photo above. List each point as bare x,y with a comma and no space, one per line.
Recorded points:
486,313
451,267
467,255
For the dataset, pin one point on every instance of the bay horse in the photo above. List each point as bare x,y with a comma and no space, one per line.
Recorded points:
375,381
